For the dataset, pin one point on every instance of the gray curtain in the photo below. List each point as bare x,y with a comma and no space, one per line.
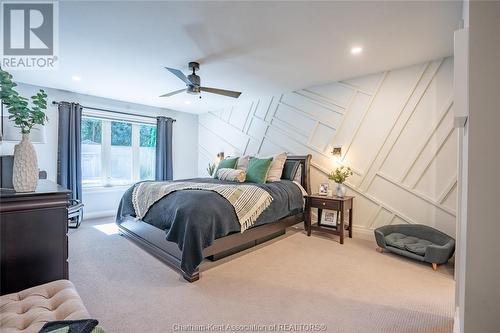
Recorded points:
69,164
164,148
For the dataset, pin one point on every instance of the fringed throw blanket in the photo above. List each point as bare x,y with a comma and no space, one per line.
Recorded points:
249,201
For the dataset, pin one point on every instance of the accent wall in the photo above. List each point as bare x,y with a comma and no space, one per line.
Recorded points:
395,129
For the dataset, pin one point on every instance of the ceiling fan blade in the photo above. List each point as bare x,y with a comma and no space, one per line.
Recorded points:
173,93
179,74
229,93
213,48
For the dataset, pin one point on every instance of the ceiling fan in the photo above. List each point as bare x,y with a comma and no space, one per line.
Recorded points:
192,82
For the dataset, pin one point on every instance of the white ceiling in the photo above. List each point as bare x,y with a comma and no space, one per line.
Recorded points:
119,49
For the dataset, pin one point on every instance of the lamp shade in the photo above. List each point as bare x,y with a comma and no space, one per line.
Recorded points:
12,133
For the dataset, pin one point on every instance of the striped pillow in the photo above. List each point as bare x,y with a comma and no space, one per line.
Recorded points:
232,175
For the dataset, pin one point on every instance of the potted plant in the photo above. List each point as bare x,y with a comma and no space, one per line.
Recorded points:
211,169
339,176
25,116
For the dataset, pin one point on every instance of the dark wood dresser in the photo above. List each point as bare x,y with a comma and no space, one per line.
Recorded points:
33,235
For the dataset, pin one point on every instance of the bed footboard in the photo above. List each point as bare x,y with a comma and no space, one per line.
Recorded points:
153,241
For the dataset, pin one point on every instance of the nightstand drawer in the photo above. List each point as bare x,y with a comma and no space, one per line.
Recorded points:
324,203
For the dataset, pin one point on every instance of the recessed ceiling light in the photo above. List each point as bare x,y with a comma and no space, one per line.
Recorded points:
76,78
187,102
356,50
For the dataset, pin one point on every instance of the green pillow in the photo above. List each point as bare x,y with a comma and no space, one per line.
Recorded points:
228,163
258,169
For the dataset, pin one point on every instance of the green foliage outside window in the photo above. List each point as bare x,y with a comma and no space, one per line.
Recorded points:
91,131
147,136
121,134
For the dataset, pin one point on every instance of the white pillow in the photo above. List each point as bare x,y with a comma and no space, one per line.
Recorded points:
276,169
298,175
243,162
302,189
233,175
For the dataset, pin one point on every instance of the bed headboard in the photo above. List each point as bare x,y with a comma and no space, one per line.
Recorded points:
305,163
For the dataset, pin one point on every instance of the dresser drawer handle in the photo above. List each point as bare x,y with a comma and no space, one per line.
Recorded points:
324,204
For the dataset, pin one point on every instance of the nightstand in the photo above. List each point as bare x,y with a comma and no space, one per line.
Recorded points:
339,205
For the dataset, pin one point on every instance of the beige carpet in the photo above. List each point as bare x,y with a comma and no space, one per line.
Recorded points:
292,280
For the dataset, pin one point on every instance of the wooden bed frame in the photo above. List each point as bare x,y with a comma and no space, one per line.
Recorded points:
153,241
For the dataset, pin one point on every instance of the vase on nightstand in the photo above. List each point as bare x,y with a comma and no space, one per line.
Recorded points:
340,190
25,173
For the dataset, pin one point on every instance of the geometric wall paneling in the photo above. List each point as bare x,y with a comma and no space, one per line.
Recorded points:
366,212
328,114
437,176
401,127
335,93
321,137
433,142
268,148
383,217
257,128
409,206
449,200
225,132
262,107
367,83
395,129
357,107
295,120
239,115
253,147
382,114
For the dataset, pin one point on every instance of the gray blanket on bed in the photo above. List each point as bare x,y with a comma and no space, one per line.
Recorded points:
248,201
194,218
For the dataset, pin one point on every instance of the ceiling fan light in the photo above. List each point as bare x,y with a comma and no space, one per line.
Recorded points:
193,84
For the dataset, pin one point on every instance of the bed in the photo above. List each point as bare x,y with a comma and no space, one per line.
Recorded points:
186,227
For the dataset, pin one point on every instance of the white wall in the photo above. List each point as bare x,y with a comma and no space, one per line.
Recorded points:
481,292
461,107
395,129
105,201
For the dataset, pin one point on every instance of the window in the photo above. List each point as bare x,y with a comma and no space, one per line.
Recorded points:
116,152
91,150
121,153
147,151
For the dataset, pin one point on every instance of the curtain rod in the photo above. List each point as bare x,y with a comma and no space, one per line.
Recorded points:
112,111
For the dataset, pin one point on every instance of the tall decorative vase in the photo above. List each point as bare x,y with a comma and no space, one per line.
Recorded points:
25,173
340,190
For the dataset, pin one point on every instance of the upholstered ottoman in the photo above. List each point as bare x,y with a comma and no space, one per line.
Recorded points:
27,311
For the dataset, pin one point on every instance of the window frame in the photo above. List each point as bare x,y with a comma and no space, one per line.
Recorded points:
106,119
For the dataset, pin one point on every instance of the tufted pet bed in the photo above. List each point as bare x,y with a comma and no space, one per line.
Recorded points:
416,241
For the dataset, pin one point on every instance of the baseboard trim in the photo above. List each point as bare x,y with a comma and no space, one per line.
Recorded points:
363,233
456,321
99,214
358,231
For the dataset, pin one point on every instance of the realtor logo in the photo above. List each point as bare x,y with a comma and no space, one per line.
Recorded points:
29,35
